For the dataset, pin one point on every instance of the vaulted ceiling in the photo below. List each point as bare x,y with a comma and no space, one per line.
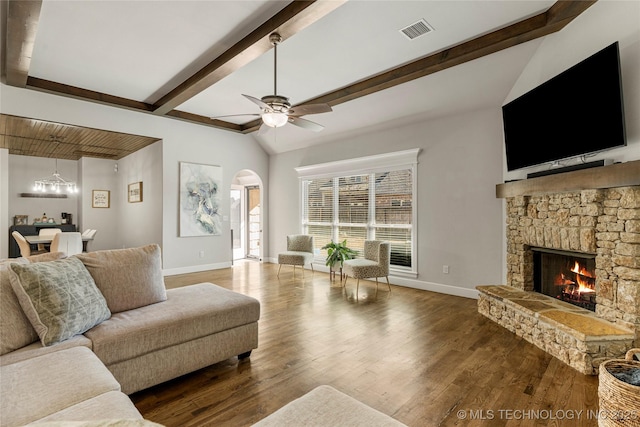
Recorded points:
192,60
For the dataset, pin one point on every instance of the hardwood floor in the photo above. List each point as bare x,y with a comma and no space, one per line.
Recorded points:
424,358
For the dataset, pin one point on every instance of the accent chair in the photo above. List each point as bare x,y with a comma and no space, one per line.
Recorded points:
375,264
299,252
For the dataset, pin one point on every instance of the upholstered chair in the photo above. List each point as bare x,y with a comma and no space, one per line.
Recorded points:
299,252
25,247
89,234
47,232
69,243
375,263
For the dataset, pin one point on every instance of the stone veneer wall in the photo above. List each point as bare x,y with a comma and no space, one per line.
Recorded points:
605,222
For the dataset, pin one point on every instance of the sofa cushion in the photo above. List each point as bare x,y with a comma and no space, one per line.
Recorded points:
112,409
15,329
47,256
59,298
189,313
128,278
38,387
36,349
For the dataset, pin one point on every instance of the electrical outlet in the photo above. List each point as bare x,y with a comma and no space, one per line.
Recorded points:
201,254
445,269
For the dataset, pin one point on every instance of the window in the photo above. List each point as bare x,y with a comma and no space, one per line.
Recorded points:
377,205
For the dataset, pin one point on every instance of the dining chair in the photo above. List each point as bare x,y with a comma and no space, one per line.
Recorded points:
89,234
47,232
375,263
25,247
70,243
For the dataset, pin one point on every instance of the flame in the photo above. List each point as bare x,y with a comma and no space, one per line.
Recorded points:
582,271
582,278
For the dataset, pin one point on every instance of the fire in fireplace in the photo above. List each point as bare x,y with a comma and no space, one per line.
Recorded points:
568,276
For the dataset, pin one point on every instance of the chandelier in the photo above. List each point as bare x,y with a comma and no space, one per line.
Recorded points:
55,183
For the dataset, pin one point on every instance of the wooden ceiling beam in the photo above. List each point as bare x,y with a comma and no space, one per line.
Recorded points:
545,23
86,94
293,18
22,26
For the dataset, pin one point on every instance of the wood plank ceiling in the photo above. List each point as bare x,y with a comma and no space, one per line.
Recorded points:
29,137
24,15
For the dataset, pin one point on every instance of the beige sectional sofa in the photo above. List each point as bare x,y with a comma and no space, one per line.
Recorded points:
109,328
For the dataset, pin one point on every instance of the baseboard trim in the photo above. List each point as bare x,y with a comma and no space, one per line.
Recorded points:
395,280
411,283
195,268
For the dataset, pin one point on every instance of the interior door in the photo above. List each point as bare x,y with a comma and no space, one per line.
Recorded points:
254,235
237,222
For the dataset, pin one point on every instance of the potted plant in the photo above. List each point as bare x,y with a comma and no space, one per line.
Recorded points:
337,253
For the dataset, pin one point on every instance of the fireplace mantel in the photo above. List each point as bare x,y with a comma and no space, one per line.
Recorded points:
612,176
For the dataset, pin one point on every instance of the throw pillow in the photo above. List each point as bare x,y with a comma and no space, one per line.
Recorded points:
59,297
15,329
128,278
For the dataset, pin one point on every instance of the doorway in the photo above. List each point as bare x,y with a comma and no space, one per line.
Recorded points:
246,216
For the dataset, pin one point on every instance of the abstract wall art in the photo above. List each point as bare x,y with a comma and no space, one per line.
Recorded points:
200,187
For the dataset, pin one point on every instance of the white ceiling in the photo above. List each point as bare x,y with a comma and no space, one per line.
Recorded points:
141,49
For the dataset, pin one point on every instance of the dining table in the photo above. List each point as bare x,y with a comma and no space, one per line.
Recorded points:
47,239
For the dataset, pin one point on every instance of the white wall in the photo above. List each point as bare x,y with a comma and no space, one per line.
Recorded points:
140,223
459,217
181,141
23,170
602,24
98,174
234,153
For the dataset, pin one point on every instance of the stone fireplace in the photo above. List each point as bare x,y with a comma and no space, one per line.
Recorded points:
594,217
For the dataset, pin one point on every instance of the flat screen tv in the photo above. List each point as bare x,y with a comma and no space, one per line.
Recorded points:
579,111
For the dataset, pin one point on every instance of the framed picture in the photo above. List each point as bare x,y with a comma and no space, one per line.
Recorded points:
100,198
200,187
21,220
135,192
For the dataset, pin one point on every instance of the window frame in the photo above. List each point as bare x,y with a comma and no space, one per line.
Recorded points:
370,165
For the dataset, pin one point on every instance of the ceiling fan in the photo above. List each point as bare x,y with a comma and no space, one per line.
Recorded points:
276,109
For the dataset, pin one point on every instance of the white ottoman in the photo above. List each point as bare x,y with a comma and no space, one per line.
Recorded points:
326,406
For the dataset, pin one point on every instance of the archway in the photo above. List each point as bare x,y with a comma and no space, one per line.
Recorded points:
246,215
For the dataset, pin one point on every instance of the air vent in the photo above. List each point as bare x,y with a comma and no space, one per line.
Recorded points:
416,30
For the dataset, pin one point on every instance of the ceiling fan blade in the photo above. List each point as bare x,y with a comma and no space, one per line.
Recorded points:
257,101
302,110
236,115
306,124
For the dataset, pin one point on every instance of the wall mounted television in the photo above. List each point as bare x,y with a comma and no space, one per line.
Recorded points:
580,111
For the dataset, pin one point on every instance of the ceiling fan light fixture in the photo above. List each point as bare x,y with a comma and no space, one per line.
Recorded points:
275,119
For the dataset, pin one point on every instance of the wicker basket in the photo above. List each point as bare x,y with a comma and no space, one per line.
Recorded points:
619,401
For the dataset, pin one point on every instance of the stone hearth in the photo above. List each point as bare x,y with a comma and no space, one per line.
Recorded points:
599,217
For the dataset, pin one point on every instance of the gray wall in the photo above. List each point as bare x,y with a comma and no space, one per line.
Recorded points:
459,217
615,21
23,170
157,216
